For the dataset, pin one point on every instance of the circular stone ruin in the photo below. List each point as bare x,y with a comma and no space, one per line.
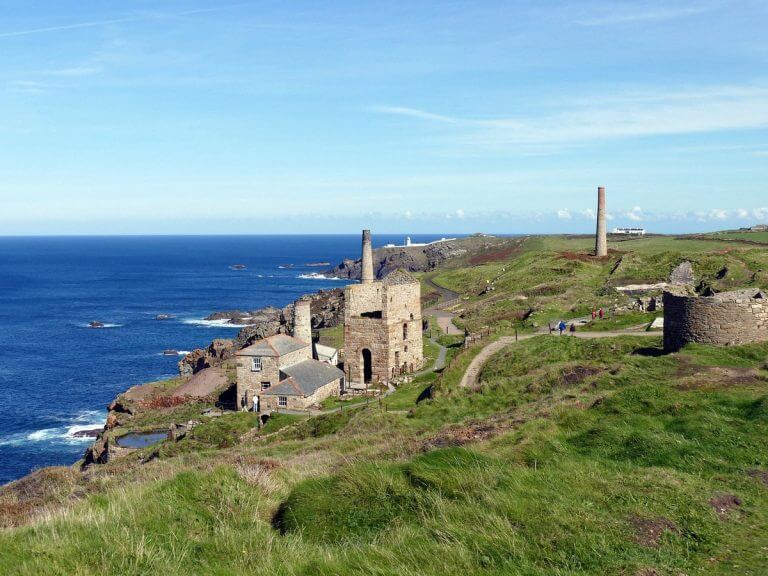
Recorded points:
726,318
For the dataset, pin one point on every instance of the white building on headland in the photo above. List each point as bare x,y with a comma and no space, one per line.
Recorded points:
629,231
408,243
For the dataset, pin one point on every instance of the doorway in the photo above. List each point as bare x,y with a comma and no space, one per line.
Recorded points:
367,366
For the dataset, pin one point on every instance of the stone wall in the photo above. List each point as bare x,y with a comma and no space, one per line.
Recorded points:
270,403
394,340
249,382
728,318
360,298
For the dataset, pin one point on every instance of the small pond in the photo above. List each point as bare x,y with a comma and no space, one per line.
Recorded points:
141,439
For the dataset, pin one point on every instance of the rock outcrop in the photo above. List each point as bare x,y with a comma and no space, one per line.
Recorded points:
410,258
682,275
327,307
219,350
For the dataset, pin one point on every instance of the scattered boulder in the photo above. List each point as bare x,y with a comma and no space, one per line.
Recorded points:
93,433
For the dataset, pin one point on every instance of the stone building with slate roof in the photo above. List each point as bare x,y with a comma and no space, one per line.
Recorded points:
280,372
382,325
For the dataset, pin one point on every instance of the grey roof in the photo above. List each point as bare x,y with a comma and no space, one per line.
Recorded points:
277,345
399,276
305,378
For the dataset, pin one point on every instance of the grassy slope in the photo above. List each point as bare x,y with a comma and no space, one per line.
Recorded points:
573,457
554,277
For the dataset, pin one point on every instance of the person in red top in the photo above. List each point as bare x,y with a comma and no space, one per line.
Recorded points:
602,313
594,314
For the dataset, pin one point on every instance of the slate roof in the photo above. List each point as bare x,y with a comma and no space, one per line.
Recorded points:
399,276
277,345
324,353
304,379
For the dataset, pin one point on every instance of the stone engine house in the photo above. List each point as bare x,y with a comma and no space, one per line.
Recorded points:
382,324
727,318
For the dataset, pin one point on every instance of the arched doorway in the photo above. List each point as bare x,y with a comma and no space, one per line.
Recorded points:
367,366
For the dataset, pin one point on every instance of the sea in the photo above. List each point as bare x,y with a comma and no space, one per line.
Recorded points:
57,374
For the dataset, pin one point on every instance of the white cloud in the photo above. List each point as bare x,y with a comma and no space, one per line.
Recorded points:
718,214
460,214
408,215
564,214
742,213
588,213
760,213
413,113
616,14
635,214
72,72
623,114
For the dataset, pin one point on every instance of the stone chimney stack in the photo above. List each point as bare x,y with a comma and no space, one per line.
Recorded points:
302,320
367,271
601,240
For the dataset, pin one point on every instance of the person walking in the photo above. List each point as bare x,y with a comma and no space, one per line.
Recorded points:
601,313
573,329
594,314
561,327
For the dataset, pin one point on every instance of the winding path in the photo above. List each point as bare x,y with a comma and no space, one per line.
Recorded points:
470,378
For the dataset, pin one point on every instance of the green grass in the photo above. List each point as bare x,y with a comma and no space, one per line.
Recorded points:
333,337
620,321
555,277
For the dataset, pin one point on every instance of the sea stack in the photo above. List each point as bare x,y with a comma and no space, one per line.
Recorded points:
601,240
366,274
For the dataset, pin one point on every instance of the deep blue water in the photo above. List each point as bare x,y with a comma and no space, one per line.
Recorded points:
57,375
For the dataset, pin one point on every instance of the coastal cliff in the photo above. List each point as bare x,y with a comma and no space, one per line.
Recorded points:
417,258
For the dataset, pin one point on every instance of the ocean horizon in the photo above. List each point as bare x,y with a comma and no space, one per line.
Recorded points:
57,374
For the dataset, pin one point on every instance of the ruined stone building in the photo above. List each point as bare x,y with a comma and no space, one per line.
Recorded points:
382,324
726,318
282,372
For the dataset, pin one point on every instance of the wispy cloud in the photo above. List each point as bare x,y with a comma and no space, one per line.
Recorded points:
614,14
414,113
627,114
564,214
123,20
72,72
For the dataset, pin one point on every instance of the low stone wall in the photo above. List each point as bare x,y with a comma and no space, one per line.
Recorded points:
729,318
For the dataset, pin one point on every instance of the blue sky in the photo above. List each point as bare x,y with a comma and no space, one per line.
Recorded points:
263,117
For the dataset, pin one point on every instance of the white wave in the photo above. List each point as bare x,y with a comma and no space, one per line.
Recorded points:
318,276
223,323
86,420
182,352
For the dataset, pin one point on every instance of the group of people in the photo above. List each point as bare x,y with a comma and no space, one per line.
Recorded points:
562,326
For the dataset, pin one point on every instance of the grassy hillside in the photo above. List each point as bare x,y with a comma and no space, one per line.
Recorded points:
571,457
553,277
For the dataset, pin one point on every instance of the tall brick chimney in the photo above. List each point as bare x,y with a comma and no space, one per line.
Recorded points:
367,271
302,320
601,240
